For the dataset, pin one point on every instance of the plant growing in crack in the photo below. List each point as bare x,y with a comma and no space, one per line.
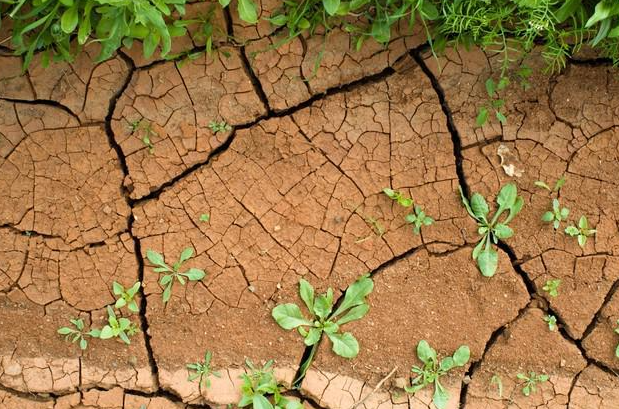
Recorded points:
492,230
172,273
582,231
531,381
221,126
202,370
417,218
126,296
259,383
494,103
116,327
551,320
78,334
147,132
324,319
433,369
617,332
556,215
552,287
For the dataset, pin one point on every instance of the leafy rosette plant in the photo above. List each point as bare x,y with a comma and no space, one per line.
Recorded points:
126,296
322,317
492,230
170,274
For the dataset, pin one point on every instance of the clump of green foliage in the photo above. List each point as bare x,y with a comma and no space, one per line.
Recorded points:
77,334
552,287
205,217
617,349
433,369
260,383
126,296
417,218
322,317
557,215
558,185
172,273
116,327
552,322
145,128
492,230
202,370
582,232
217,127
495,103
531,381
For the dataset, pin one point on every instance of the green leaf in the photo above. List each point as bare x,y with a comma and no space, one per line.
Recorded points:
462,355
65,331
441,397
603,10
482,117
490,87
354,313
155,258
507,196
466,204
307,294
542,185
289,316
425,352
260,402
134,289
224,3
106,332
567,9
120,303
248,11
83,344
548,217
582,240
479,206
572,231
344,345
117,288
194,274
150,44
446,363
331,6
69,20
167,293
313,336
390,193
503,231
583,223
186,254
355,294
428,10
488,261
478,248
501,117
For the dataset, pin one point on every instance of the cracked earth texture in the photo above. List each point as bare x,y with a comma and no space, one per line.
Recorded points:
293,191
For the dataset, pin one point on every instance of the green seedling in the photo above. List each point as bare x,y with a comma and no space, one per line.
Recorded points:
556,215
205,217
552,322
121,328
260,382
78,334
495,103
496,380
126,297
617,349
202,370
418,219
217,127
171,273
398,197
432,370
492,230
147,133
582,231
552,287
558,185
531,381
324,319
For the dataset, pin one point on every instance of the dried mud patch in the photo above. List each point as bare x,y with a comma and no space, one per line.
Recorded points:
172,105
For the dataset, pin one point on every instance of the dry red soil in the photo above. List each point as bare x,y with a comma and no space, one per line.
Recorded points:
293,191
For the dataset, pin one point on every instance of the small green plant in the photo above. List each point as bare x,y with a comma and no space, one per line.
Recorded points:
205,217
494,103
617,349
558,185
147,132
202,370
552,322
531,381
324,319
217,127
492,230
126,297
418,219
432,370
496,380
260,382
556,215
171,273
78,334
582,231
552,287
398,197
121,328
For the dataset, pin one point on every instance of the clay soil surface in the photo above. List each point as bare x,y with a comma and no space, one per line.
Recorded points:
293,189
